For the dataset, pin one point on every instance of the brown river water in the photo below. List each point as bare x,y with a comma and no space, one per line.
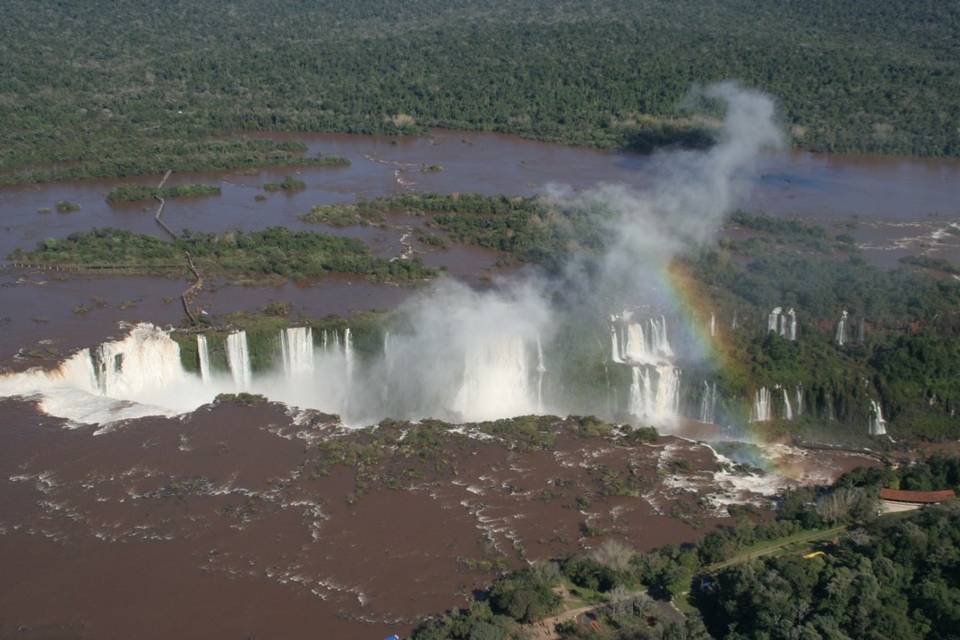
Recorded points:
220,524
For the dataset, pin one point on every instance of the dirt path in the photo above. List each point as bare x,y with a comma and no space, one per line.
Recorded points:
546,629
753,554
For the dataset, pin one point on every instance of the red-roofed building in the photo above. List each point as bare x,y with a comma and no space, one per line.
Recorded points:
901,500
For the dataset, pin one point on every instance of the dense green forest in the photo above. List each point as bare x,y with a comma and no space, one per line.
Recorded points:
273,252
874,577
119,88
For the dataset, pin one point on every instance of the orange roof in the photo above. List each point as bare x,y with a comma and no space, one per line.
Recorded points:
899,495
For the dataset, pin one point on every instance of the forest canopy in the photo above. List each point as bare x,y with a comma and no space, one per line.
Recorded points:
107,89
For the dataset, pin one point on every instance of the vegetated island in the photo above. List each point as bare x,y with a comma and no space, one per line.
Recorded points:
273,252
181,156
288,184
135,192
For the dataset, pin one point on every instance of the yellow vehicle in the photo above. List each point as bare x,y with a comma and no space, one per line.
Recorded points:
813,554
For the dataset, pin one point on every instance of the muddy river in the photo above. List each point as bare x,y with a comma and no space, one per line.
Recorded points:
226,523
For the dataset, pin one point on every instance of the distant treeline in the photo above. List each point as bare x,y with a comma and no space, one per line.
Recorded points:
131,156
139,92
134,192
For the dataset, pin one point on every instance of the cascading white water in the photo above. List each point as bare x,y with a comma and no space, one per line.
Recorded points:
296,349
841,334
799,397
734,323
142,375
708,403
761,406
773,319
541,371
713,325
348,354
238,358
614,342
642,398
787,409
119,380
203,355
637,348
495,380
655,382
791,334
877,425
144,359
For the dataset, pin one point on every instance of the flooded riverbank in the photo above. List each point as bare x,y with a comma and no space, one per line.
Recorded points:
819,187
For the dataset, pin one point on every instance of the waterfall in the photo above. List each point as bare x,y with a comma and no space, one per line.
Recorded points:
615,342
841,335
147,358
877,425
787,409
655,392
641,393
713,325
636,348
791,325
203,354
387,368
495,380
119,380
661,345
734,323
348,355
761,406
541,369
641,342
773,319
238,357
296,348
708,403
799,398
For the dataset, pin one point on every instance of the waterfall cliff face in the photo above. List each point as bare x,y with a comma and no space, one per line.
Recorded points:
145,359
296,347
877,425
348,354
762,407
773,319
783,324
496,380
203,355
238,357
787,408
841,334
541,371
118,380
655,381
708,403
